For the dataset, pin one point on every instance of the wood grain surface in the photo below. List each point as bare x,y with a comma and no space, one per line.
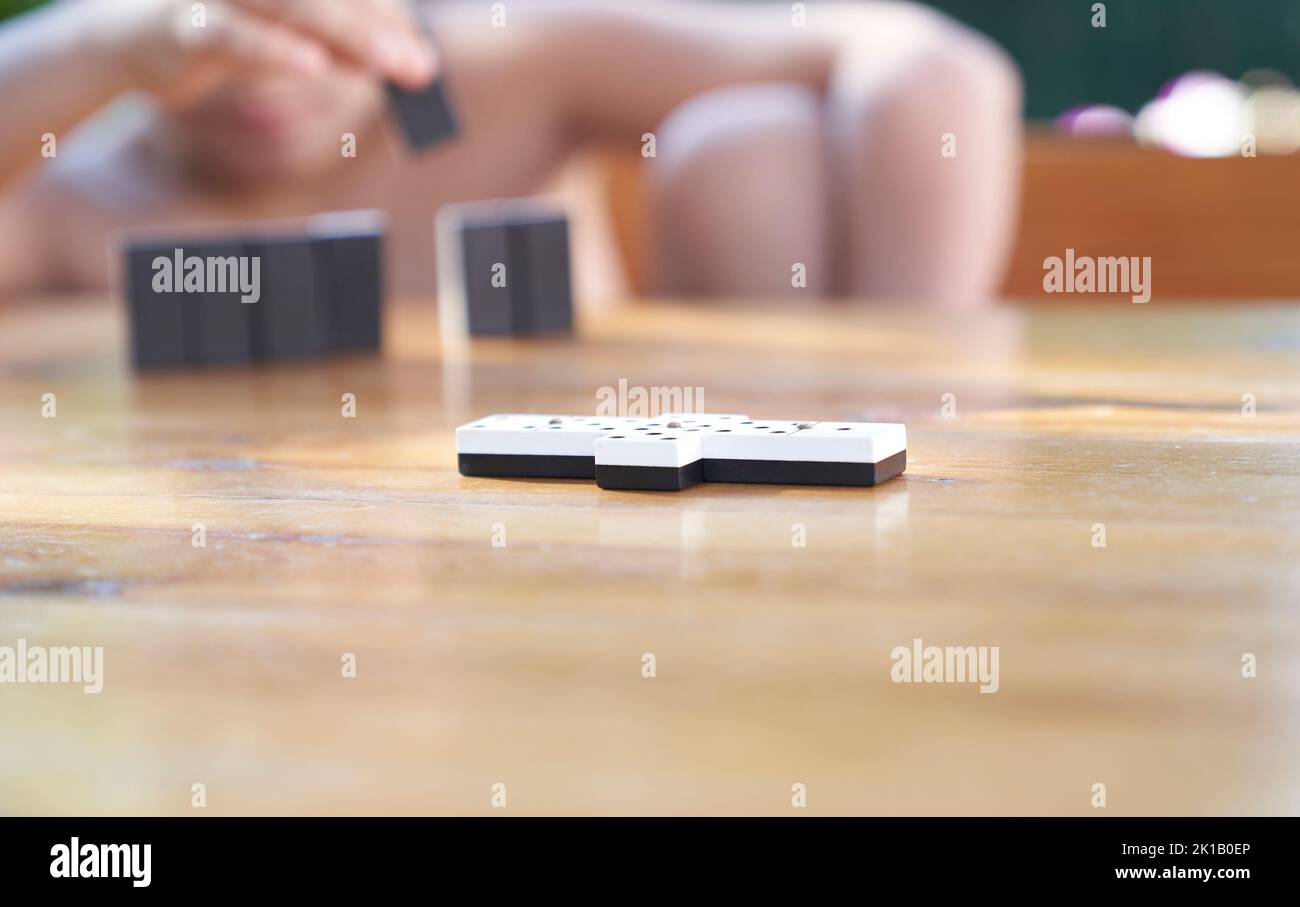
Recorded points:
522,665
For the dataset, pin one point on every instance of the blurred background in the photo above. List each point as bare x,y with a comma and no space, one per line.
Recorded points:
1172,132
1144,44
1167,129
1136,133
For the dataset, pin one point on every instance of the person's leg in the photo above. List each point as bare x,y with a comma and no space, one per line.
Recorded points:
901,183
925,150
737,190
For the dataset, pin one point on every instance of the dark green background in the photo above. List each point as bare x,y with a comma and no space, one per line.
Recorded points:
1145,42
1067,62
12,7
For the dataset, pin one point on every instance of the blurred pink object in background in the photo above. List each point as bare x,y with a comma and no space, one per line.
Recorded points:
1096,121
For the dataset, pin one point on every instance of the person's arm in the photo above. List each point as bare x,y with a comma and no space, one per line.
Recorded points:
622,67
53,74
61,63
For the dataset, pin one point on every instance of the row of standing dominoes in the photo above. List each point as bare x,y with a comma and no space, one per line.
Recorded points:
676,451
320,284
319,290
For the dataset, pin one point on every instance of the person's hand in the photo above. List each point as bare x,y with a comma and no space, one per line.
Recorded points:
174,47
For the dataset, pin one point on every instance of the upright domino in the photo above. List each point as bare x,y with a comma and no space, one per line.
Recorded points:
545,301
805,453
157,318
503,269
288,321
476,281
664,459
218,324
348,259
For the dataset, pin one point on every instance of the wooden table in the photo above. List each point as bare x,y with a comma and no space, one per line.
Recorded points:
522,664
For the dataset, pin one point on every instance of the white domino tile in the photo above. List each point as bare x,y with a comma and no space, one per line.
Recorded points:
658,447
850,442
538,434
508,433
812,442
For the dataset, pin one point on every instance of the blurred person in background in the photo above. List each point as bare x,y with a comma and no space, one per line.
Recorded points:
878,144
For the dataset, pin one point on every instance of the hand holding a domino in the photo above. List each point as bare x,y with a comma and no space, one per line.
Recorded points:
230,73
171,48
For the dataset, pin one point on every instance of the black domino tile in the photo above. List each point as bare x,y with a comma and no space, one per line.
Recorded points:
490,310
523,282
157,319
524,466
786,472
289,320
425,116
649,478
538,296
349,282
545,258
218,325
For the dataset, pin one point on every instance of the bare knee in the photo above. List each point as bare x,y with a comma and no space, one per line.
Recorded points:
926,147
738,194
949,73
920,55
